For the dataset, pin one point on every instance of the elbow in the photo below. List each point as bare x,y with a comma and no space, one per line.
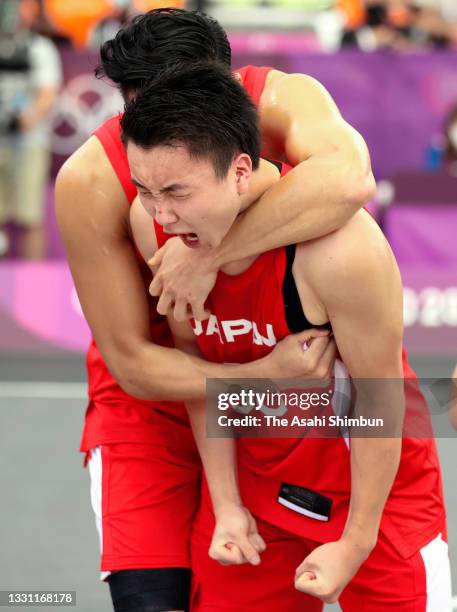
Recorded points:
130,370
125,374
130,385
124,367
360,191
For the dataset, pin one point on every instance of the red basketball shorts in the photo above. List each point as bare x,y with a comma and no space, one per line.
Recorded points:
144,498
385,581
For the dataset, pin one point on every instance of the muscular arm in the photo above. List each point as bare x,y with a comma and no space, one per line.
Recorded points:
217,454
331,181
235,538
354,282
93,217
355,275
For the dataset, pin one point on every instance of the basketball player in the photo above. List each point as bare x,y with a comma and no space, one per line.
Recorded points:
376,538
139,448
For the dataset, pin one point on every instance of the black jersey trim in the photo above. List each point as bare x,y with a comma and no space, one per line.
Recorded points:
277,164
295,317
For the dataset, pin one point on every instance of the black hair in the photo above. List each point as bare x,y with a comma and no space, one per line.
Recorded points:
203,107
150,42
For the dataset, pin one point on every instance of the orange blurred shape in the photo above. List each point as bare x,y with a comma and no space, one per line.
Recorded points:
76,18
400,16
354,12
143,6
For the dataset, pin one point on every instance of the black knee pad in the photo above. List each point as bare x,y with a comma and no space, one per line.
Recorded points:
150,590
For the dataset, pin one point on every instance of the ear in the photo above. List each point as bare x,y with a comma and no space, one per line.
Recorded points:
243,171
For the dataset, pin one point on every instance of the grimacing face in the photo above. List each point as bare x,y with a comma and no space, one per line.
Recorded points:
185,196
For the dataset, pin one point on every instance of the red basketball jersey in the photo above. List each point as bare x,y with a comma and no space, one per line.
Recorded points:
248,319
112,415
253,79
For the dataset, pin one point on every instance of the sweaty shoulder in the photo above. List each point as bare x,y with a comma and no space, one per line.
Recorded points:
89,172
298,118
88,193
309,89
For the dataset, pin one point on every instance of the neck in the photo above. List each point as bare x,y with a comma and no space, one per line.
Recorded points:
266,175
261,180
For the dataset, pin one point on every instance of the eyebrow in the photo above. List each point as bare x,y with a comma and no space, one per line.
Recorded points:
173,187
138,184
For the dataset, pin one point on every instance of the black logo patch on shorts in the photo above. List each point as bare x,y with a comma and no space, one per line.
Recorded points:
304,501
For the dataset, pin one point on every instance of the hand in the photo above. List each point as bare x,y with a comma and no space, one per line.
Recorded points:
329,568
235,538
290,359
183,278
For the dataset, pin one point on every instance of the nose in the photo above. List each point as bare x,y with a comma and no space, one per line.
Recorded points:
164,215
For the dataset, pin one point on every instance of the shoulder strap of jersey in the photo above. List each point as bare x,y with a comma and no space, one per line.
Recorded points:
281,166
109,135
295,317
253,79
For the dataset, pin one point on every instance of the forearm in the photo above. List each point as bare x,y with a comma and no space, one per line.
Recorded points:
153,372
218,456
374,464
312,200
374,460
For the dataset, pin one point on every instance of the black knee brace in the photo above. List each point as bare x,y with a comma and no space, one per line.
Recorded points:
150,590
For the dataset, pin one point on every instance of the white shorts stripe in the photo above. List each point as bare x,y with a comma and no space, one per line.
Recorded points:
96,471
341,401
435,556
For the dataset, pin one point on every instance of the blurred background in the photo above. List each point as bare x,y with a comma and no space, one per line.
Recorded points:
391,66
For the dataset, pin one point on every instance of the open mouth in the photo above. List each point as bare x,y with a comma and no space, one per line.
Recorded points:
190,240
